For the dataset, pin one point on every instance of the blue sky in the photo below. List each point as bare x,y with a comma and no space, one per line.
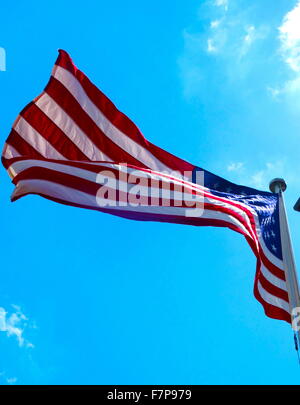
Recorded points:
88,298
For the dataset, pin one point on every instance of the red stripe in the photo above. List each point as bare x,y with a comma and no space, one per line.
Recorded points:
271,310
272,289
51,132
118,119
68,180
92,167
21,147
92,187
69,104
261,259
271,266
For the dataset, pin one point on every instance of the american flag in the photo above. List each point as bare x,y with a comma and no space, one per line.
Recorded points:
73,146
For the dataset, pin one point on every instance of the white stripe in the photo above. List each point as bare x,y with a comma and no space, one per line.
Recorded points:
70,128
271,299
17,167
21,165
9,152
55,190
118,137
74,196
273,259
273,279
36,140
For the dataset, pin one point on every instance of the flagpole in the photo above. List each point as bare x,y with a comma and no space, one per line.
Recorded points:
279,186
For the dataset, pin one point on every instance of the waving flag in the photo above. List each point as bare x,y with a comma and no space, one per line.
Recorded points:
73,146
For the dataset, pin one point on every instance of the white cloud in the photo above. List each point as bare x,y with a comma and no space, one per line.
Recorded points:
6,379
248,39
289,35
215,24
11,380
14,325
257,180
274,92
235,167
293,86
250,34
229,38
210,46
261,178
222,3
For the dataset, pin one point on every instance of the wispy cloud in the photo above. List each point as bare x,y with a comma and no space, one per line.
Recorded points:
7,380
211,46
214,24
222,3
14,325
231,43
274,92
235,167
11,380
259,176
289,35
228,39
289,51
252,34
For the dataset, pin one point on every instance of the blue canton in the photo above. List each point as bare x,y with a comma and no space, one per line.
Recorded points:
264,203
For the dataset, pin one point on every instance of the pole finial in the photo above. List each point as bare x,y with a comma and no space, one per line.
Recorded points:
277,185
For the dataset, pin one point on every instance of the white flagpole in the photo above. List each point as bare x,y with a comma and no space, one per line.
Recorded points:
279,186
